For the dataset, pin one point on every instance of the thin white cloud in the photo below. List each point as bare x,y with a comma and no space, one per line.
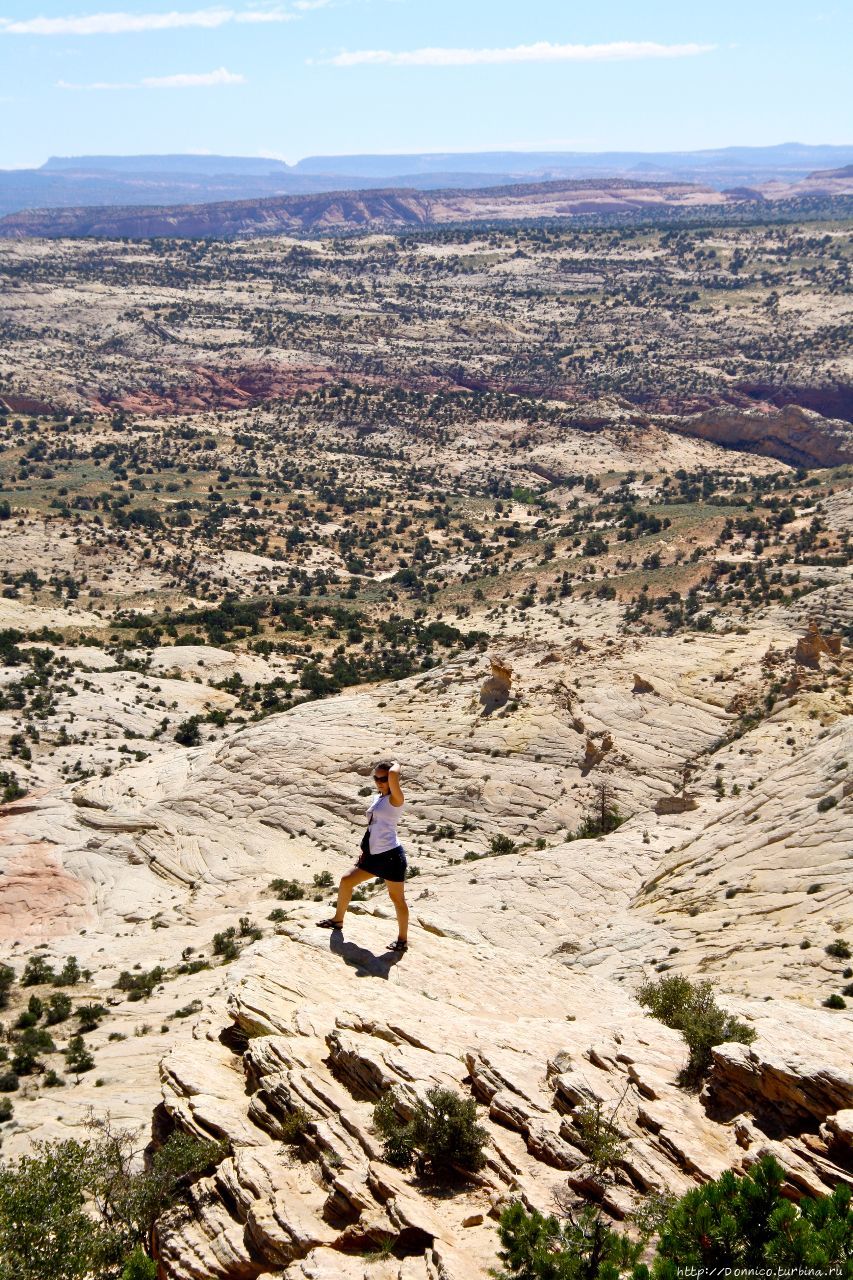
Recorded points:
204,80
542,51
185,80
117,24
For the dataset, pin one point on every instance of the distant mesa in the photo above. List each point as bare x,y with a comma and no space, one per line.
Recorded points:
846,171
93,181
384,209
179,164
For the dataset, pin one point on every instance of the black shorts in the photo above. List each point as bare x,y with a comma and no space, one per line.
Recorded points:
390,865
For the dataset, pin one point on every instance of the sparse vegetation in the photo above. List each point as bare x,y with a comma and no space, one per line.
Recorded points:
47,1231
140,985
690,1007
441,1136
287,890
741,1223
501,844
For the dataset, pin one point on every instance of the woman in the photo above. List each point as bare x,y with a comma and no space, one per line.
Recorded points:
381,854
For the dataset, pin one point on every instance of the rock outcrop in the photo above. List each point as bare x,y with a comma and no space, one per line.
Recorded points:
496,690
791,434
813,646
516,990
324,1040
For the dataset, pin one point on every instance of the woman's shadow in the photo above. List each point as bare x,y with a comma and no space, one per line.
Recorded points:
366,963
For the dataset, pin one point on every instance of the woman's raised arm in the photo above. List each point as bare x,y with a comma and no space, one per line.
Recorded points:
394,789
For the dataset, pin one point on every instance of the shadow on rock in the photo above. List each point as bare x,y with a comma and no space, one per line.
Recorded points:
366,963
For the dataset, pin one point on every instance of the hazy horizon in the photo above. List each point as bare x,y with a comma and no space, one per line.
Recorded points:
437,153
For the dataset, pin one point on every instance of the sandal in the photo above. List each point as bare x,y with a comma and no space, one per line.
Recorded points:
400,945
330,924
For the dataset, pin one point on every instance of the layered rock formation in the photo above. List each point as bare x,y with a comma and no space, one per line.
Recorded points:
328,1027
794,435
527,944
358,210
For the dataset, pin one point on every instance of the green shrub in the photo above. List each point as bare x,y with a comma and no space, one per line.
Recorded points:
689,1007
139,1266
835,1002
397,1144
76,1211
292,1127
583,1248
6,1110
600,821
70,973
187,733
828,802
45,1233
90,1016
742,1223
139,985
133,1198
383,1250
839,949
11,787
77,1056
58,1008
9,1081
287,890
501,844
442,1136
37,972
187,1010
225,944
597,1137
35,1006
747,1223
323,880
595,545
33,1042
7,978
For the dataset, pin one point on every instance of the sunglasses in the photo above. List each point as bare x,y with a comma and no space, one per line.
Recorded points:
380,777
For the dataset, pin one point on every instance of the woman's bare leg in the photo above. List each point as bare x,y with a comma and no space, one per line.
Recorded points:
345,888
397,892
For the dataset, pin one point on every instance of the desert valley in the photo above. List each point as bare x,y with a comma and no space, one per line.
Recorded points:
558,514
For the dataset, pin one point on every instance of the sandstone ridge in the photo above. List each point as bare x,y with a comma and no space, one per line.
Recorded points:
390,209
517,989
794,435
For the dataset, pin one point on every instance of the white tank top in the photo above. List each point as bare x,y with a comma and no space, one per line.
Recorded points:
382,824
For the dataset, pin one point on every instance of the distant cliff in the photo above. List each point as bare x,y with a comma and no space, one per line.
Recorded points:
392,208
794,435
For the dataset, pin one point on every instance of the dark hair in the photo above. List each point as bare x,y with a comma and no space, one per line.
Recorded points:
382,764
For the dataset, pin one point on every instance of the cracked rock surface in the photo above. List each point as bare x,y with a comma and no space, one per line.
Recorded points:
518,988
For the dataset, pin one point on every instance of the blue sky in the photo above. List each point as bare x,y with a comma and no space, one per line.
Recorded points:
307,77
